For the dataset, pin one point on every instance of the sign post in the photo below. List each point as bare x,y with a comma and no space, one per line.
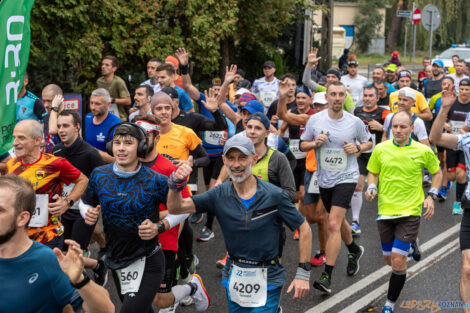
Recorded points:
431,17
416,21
405,14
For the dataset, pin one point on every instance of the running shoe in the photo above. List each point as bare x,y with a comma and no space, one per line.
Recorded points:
196,218
319,259
205,235
323,284
170,309
353,262
356,230
457,210
296,234
200,297
387,309
442,195
221,263
100,273
187,301
193,265
415,252
449,185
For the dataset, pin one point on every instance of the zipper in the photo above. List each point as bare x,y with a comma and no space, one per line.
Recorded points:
243,207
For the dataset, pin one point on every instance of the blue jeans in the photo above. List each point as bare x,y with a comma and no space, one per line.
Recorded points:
272,303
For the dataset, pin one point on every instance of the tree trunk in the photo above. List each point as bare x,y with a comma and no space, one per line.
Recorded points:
326,47
395,28
227,52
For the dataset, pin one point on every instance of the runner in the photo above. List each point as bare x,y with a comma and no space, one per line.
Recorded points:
354,82
142,97
384,96
34,279
266,88
152,66
333,134
47,175
166,78
253,276
129,204
433,85
378,74
52,98
459,74
373,117
396,167
391,72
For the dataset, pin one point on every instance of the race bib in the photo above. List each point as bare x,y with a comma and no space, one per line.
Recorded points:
313,184
114,109
456,126
66,192
41,212
267,97
294,146
248,287
373,144
333,159
131,276
213,137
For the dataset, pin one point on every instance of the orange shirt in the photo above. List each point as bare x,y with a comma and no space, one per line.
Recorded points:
177,143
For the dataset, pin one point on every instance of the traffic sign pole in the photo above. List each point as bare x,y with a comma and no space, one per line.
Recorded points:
416,21
430,39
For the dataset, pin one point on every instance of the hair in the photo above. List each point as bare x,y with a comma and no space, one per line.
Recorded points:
456,56
114,60
410,117
75,116
380,68
380,81
25,198
337,83
461,61
426,59
146,117
35,128
101,92
55,89
169,68
449,78
148,90
288,75
372,87
156,60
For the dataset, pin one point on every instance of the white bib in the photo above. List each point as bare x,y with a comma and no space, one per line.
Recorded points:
248,287
41,212
114,109
213,137
294,146
267,97
333,159
131,276
313,184
456,126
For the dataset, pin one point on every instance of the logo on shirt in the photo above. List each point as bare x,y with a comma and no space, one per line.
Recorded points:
33,278
100,137
40,174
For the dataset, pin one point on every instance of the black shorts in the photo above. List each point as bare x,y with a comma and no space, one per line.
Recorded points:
212,170
169,276
455,158
76,229
405,229
299,173
362,161
339,195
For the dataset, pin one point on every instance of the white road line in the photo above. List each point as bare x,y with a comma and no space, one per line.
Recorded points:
378,274
414,270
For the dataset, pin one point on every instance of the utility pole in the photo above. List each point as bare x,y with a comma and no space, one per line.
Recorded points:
326,48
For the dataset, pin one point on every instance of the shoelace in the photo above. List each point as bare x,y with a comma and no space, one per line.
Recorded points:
324,277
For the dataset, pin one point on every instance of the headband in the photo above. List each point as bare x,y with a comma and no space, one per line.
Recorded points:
148,126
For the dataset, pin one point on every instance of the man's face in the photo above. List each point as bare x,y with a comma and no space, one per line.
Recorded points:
454,60
125,150
401,129
382,88
163,112
140,98
331,78
237,78
216,90
152,69
447,84
303,101
165,79
404,82
318,107
336,95
256,131
25,145
426,62
292,87
8,218
352,70
436,70
107,67
370,98
405,103
464,94
245,115
459,68
98,106
153,141
377,74
47,97
68,132
269,71
238,165
391,76
428,71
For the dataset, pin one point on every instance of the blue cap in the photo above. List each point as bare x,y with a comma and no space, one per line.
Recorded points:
260,117
438,63
254,106
240,142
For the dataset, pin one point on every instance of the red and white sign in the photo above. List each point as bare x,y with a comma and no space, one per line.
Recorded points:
72,104
417,16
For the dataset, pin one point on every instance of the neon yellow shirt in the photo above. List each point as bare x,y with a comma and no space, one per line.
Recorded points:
400,171
419,106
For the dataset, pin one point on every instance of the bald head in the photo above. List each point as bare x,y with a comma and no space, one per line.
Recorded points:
403,116
161,98
33,128
48,94
53,88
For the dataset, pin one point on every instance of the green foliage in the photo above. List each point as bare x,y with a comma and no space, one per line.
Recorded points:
367,22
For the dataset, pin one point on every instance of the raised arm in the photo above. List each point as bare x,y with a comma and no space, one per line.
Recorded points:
192,91
282,113
224,107
175,203
436,136
311,63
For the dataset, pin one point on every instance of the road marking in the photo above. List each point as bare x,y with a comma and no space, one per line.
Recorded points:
378,274
413,272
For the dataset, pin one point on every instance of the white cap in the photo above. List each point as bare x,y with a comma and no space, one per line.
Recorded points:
407,92
319,97
241,91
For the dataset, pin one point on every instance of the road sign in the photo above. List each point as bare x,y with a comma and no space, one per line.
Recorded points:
431,17
416,16
403,13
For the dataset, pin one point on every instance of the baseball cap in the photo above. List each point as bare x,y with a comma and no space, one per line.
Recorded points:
392,67
320,98
216,81
254,106
242,143
244,83
260,117
241,91
246,97
438,63
464,82
407,92
269,64
353,62
171,92
404,74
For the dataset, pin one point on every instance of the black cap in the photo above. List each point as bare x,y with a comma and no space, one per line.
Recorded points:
464,82
241,72
269,64
244,83
171,92
126,129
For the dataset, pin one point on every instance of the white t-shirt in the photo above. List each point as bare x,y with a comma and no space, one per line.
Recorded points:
457,80
356,86
334,165
156,88
134,114
266,91
419,128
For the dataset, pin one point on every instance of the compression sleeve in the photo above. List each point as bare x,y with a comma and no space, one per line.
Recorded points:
200,156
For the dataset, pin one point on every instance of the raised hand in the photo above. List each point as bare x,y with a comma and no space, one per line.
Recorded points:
182,56
448,98
72,263
57,101
211,101
283,88
312,58
230,73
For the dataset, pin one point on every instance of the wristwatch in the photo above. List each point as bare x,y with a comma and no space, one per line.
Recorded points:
358,147
79,285
306,266
55,109
161,227
432,195
70,202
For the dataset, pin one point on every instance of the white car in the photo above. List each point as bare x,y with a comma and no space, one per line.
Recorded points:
446,56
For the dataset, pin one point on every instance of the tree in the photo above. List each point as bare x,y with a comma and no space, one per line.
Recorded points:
368,22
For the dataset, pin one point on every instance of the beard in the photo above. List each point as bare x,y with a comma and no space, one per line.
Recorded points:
239,179
6,236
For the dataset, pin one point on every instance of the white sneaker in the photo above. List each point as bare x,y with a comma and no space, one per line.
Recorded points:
200,297
170,309
186,301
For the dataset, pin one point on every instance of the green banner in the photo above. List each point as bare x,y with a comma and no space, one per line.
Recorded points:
15,36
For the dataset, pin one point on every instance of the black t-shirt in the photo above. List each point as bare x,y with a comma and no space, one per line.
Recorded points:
384,102
379,114
433,87
198,122
296,131
239,127
458,111
273,108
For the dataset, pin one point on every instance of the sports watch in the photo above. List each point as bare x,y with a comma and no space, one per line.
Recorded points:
306,266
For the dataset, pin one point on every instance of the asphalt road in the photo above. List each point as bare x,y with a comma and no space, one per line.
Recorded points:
434,278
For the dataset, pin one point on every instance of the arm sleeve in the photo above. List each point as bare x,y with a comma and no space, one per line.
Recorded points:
289,213
308,134
205,202
201,158
420,129
254,87
285,177
218,123
39,110
58,280
363,134
68,172
307,79
291,159
463,141
387,122
122,90
185,102
349,103
421,102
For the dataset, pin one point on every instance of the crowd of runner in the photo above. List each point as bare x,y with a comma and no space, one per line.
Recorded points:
274,152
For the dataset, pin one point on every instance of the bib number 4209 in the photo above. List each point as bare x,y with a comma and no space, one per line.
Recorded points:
246,288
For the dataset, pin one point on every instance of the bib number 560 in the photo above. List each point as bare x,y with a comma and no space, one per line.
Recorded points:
130,276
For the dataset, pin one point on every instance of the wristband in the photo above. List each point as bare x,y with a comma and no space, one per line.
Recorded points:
184,69
302,274
161,227
372,186
174,220
176,185
79,285
434,191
